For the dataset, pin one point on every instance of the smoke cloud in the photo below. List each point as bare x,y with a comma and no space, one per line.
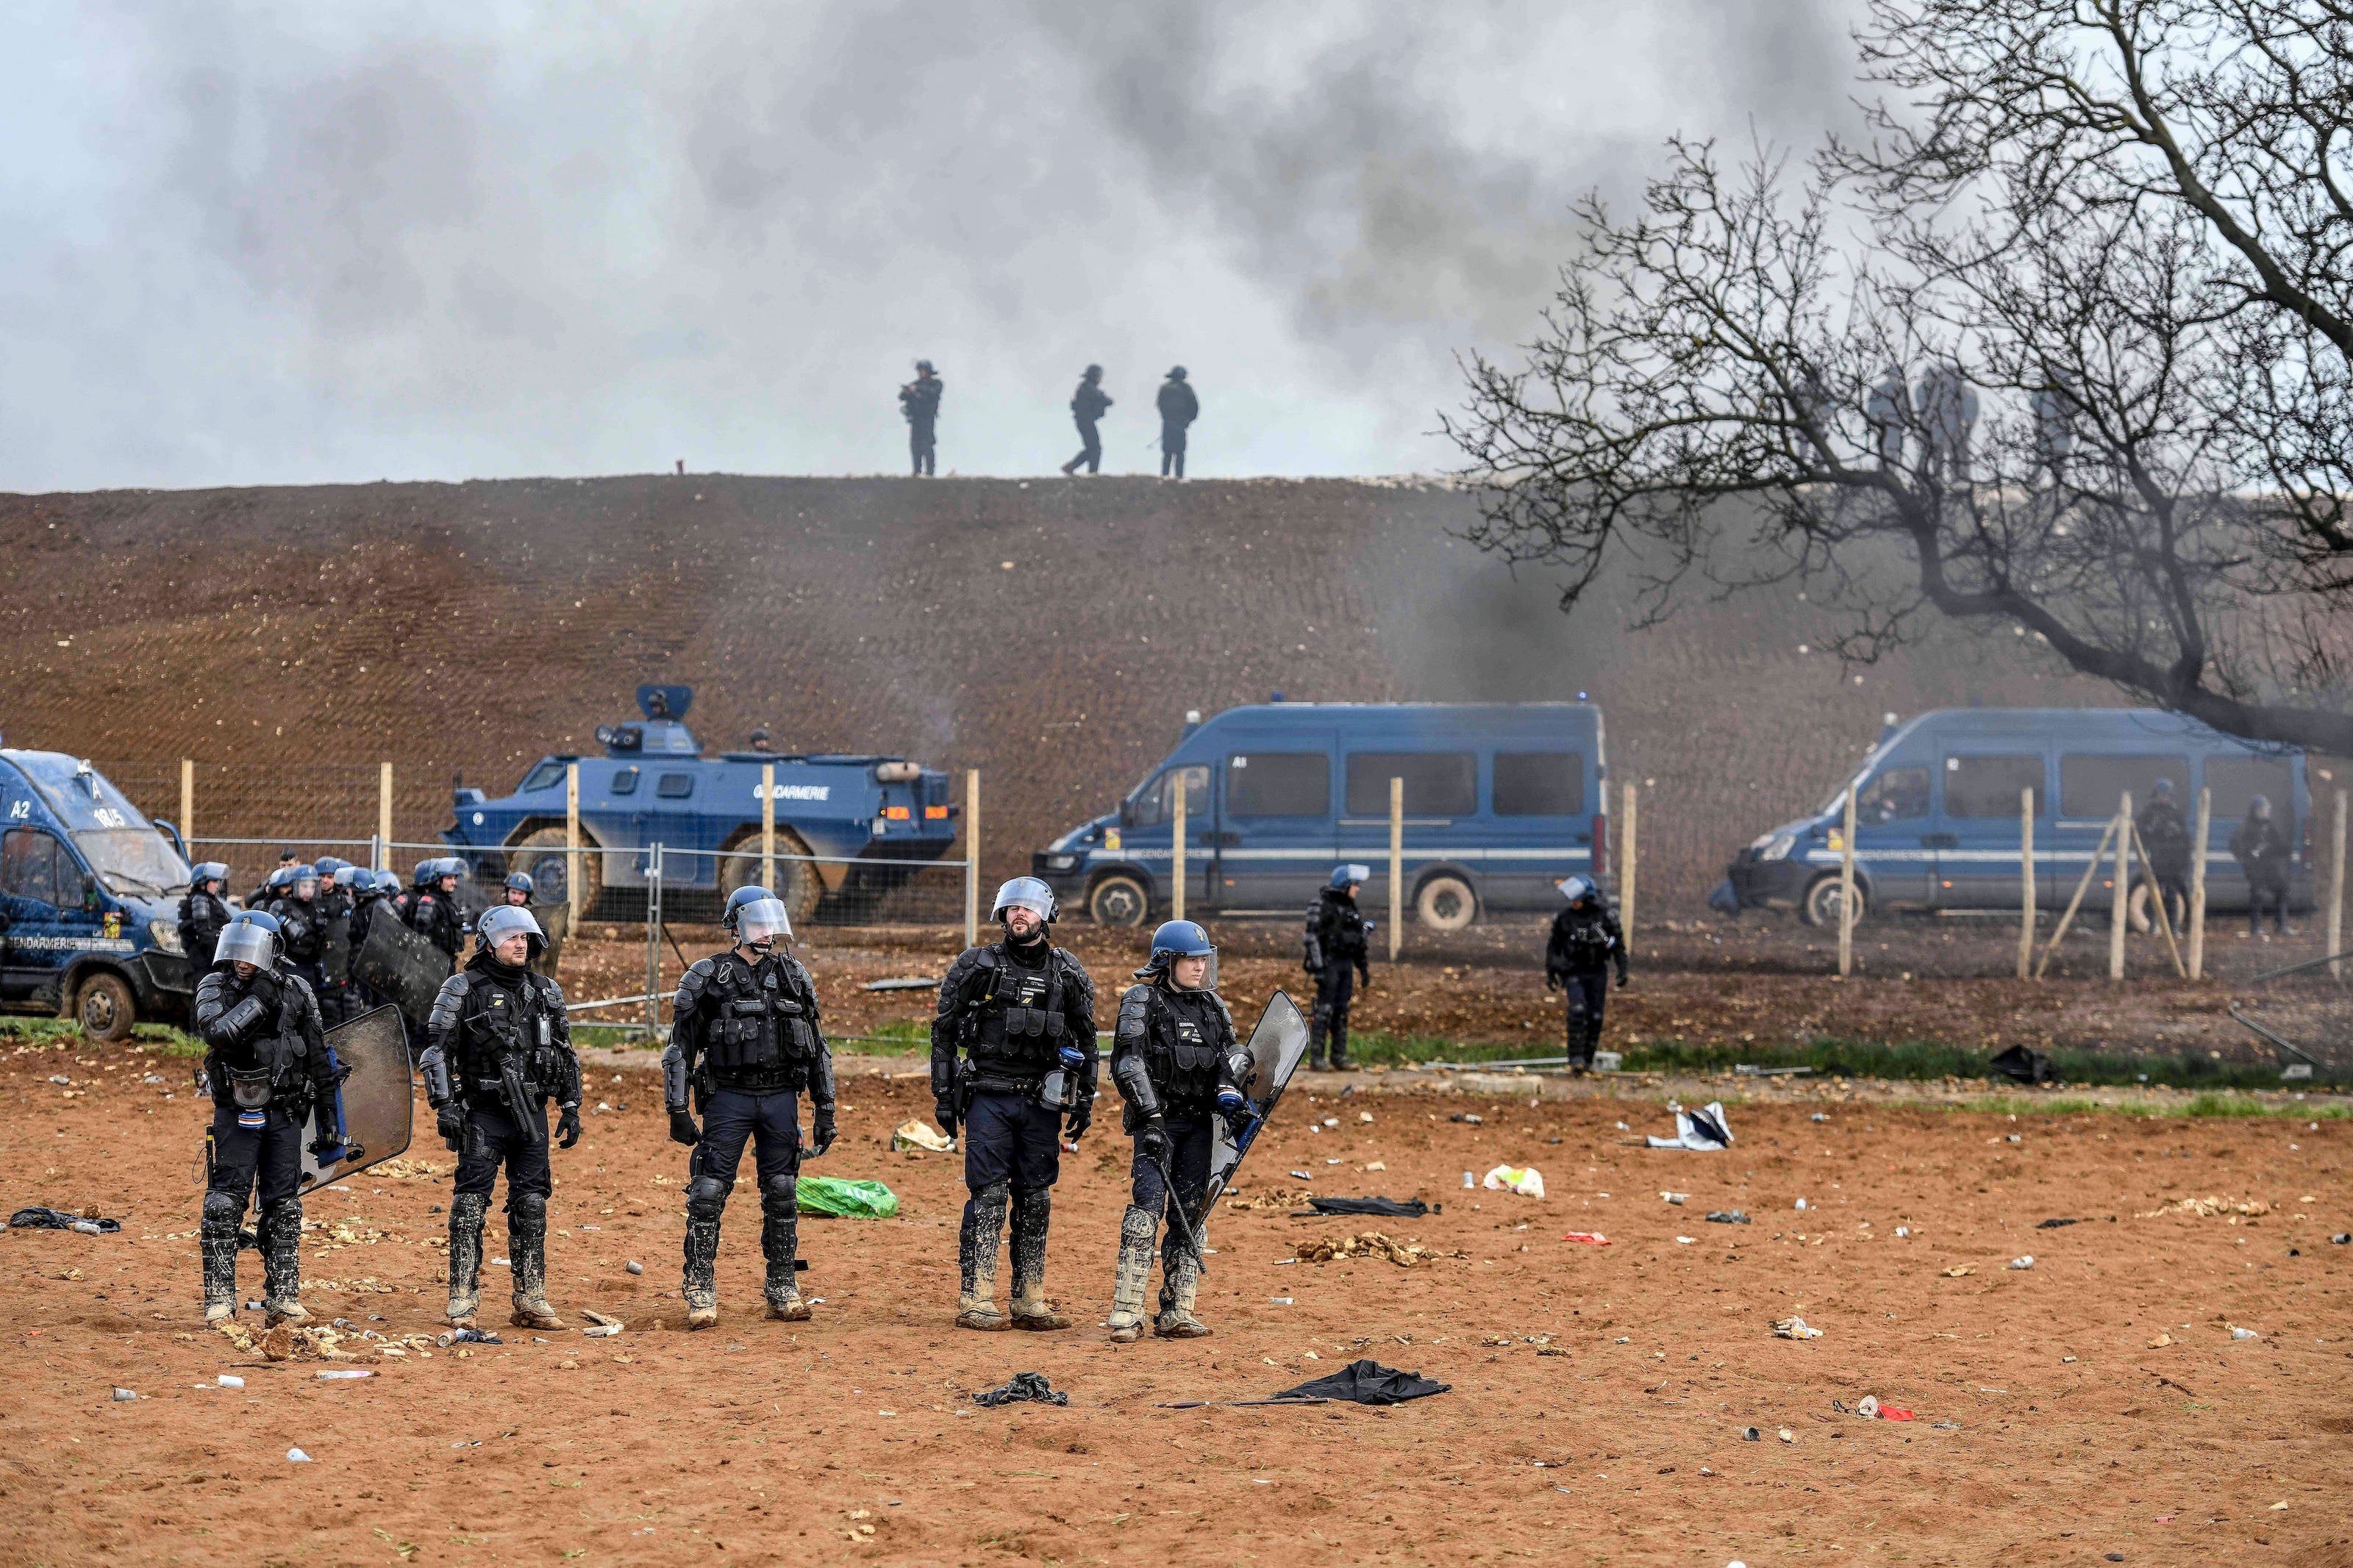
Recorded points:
275,242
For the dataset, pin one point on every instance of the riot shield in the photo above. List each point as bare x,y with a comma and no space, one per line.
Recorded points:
376,1099
1276,1048
401,966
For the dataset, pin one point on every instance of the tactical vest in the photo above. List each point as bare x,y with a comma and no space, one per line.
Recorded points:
277,1052
303,927
1588,943
1182,1053
755,1028
1016,1024
523,1010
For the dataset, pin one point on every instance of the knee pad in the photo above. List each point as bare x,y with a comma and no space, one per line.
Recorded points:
996,1193
780,1193
528,1209
220,1209
706,1196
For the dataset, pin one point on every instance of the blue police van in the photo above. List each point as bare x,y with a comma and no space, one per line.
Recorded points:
90,892
1502,801
1936,812
863,818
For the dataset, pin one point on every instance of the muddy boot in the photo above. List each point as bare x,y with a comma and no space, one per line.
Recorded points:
1136,1228
1031,1214
780,1245
983,1222
281,1264
466,1212
527,1252
1180,1281
699,1286
218,1245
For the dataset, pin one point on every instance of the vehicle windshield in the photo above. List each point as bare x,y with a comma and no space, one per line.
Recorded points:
133,860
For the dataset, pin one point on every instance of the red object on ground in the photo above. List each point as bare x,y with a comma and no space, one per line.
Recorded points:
1890,1413
1590,1237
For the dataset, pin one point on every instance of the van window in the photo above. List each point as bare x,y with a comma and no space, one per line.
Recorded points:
675,786
2089,786
29,866
1279,783
1899,794
1539,784
2238,780
1155,801
541,777
625,782
1988,786
1437,783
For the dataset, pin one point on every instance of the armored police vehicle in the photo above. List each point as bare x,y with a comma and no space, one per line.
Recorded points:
1501,800
90,892
862,818
1937,820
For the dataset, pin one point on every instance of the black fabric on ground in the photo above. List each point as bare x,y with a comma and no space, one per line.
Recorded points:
2021,1064
2055,1224
57,1219
1367,1382
1412,1208
1024,1386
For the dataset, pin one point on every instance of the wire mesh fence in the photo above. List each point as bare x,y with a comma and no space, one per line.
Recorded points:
2305,1012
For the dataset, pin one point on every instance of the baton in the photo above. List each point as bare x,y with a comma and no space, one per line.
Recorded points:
1184,1220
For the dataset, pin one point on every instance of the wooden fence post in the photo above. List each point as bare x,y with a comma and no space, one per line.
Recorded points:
1627,861
1396,866
2082,886
2336,886
972,857
768,826
2026,869
1176,845
383,809
2198,885
188,807
1846,889
572,909
2120,889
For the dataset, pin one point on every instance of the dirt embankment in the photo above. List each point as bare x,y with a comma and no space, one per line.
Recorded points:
1051,633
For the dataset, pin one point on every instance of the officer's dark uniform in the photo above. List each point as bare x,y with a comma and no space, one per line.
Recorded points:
266,1053
1088,404
1585,941
1012,1008
1337,957
1171,1052
1179,408
491,1024
919,400
335,908
2265,855
2166,836
746,1035
304,928
434,916
202,916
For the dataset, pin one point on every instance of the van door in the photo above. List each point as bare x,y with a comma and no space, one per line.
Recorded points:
1442,814
1892,822
1543,804
41,896
1277,839
1148,835
2090,786
1976,837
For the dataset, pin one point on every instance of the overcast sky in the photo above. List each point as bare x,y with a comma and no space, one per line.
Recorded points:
245,244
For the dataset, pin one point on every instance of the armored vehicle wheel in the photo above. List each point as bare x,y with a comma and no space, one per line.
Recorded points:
104,1007
1821,907
541,857
797,881
1119,900
1445,903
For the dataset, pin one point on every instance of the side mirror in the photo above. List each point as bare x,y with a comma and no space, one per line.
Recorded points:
90,894
461,798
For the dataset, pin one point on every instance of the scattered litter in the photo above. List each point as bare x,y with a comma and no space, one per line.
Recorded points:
2207,1208
229,1380
602,1331
123,1394
1284,1300
916,1133
1786,1436
467,1337
1750,1070
59,1219
1901,1231
1685,1240
1960,1270
1332,1122
1378,1166
1729,1216
846,1197
1370,1244
1389,1208
1364,1116
905,982
2025,1262
1701,1130
1589,1237
2160,1343
1676,1198
1801,1204
2022,1064
2055,1224
298,1456
1821,1117
2239,1333
1750,1434
1028,1385
355,1371
1309,1175
2340,1238
1469,1119
1795,1329
1367,1382
602,1319
634,1266
1527,1182
1270,1199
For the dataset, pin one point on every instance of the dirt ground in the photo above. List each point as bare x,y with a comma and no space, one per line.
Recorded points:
1597,1393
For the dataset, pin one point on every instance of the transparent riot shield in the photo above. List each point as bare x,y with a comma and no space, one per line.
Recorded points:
377,1101
1276,1048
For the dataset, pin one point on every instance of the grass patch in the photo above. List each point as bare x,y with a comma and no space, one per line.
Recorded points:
610,1037
903,1037
1929,1059
49,1033
2223,1104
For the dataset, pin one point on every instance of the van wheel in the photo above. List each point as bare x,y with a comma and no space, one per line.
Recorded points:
797,881
1821,904
1119,901
104,1007
1445,903
2140,914
541,855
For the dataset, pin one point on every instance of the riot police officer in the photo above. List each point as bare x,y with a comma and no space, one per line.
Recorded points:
335,907
500,1045
1023,1012
203,914
519,890
267,1064
1338,953
1179,1064
1584,943
744,1036
302,925
433,912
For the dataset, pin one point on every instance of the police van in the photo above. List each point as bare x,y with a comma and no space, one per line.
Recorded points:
1502,801
1936,812
90,892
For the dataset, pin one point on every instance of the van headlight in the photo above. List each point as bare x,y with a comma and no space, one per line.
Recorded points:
1061,862
1775,846
166,934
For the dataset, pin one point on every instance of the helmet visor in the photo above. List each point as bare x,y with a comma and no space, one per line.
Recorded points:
1024,893
762,920
242,942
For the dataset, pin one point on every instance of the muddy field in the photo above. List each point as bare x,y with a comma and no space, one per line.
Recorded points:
2093,1408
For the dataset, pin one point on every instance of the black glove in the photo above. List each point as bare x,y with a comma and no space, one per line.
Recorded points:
1155,1137
682,1129
944,1111
568,1126
450,1123
325,1141
821,1132
1081,1120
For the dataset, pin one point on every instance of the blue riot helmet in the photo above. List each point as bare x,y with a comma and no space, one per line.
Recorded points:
758,917
1576,890
252,938
521,882
347,876
281,882
499,924
1025,893
303,882
2164,790
328,864
209,871
1176,940
424,873
1354,871
449,866
387,883
2259,807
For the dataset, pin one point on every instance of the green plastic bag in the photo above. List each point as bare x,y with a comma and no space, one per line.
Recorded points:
842,1196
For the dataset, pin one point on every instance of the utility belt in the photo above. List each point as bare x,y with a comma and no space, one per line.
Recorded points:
498,1086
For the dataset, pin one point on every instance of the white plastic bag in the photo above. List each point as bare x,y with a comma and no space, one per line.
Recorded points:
1528,1182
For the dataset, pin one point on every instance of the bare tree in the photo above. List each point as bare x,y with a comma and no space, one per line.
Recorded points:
1758,378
